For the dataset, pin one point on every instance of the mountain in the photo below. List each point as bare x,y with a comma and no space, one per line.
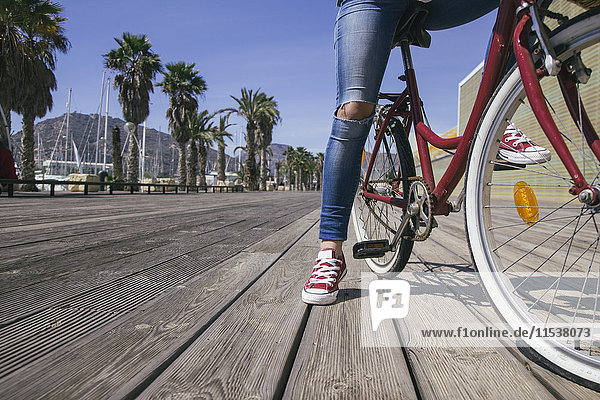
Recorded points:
161,149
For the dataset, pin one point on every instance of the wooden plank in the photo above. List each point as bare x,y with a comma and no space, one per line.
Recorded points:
442,368
131,350
446,256
60,227
248,349
333,363
94,246
118,274
55,227
134,237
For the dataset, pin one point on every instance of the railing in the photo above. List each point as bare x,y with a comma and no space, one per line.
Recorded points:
126,186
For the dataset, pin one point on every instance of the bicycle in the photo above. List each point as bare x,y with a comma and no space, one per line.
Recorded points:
530,226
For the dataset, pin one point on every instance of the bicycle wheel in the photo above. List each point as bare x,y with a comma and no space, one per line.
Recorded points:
534,244
392,166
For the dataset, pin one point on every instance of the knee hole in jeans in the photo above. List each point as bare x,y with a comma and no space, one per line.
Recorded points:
355,110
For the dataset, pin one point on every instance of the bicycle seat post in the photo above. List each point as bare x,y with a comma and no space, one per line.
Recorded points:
406,56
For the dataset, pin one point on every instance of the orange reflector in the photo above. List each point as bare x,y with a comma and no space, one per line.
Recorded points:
363,157
527,205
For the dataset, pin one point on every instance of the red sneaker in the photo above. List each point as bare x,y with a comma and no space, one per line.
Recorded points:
322,286
517,148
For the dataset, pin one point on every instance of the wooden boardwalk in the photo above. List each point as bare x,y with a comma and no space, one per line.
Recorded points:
198,297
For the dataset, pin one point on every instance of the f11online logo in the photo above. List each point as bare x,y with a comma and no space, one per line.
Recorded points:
389,300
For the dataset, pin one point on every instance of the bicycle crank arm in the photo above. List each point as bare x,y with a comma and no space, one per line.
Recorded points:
378,248
412,210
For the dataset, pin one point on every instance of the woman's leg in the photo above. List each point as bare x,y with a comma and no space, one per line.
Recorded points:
364,32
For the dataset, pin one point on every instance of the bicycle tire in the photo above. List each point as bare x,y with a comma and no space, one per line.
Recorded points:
374,220
521,261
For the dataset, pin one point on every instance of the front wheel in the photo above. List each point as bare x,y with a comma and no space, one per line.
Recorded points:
393,165
535,245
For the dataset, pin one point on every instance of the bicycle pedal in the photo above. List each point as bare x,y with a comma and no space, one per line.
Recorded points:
371,249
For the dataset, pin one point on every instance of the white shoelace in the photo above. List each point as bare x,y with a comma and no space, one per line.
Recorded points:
517,138
326,273
515,135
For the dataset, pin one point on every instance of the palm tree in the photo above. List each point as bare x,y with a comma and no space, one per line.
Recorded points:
320,160
294,160
32,34
136,66
265,136
300,161
252,106
183,84
313,169
116,154
289,154
192,164
279,167
12,57
202,130
220,135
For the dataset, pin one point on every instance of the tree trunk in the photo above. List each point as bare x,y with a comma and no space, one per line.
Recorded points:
202,161
5,133
192,164
276,177
116,154
182,170
250,178
263,168
133,163
221,162
320,187
27,157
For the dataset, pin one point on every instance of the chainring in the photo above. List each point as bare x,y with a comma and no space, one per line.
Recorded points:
419,198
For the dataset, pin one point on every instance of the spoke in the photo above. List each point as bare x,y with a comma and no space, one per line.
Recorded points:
556,282
520,223
568,135
586,277
535,224
533,185
532,171
564,264
536,247
549,257
595,297
538,207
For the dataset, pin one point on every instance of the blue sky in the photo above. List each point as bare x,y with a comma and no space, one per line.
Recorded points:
284,48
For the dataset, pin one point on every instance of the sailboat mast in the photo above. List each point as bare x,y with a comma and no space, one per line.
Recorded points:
40,151
143,163
159,153
98,132
106,125
67,134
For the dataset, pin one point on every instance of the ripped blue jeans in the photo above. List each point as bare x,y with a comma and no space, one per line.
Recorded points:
364,32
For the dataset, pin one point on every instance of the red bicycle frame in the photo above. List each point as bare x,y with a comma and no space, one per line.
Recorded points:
506,28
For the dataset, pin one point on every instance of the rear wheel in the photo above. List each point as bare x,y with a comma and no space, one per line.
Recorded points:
393,165
535,245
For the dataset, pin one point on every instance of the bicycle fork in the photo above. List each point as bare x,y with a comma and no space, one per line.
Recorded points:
587,194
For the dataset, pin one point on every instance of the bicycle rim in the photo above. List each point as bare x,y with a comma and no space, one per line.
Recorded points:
375,220
540,263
